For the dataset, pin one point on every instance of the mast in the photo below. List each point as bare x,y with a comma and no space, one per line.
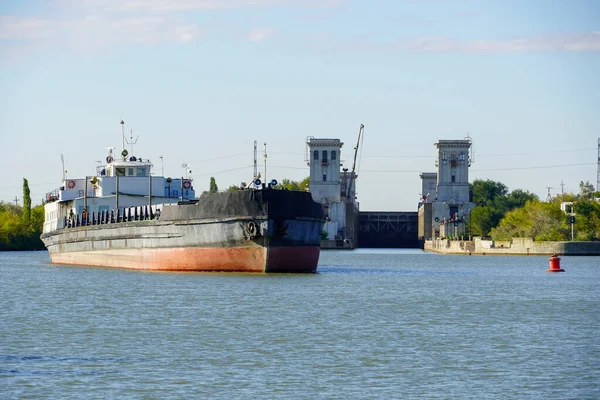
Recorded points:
123,135
265,177
62,160
255,161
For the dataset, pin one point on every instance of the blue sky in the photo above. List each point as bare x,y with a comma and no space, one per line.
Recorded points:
200,80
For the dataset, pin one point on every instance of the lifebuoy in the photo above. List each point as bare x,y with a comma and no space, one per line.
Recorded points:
187,184
71,184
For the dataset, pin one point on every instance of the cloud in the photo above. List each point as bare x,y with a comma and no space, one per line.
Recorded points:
583,41
98,30
259,35
567,42
94,24
161,6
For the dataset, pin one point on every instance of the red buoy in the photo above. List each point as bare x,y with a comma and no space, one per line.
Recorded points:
554,264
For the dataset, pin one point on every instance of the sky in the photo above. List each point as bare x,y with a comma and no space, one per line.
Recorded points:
198,81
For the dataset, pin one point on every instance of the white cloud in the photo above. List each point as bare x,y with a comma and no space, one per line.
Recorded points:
161,6
259,35
568,42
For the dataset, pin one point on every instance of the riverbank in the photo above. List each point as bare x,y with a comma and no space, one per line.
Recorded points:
515,246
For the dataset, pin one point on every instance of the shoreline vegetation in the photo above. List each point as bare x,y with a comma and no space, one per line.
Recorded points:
499,215
21,226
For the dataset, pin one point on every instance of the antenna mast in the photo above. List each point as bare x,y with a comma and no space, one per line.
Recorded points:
62,160
131,142
265,177
255,160
123,135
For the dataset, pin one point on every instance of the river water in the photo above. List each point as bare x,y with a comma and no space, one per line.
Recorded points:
372,324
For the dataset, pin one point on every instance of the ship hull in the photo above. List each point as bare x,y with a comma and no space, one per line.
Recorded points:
269,232
249,259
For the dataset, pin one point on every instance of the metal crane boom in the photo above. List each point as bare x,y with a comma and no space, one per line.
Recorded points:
351,181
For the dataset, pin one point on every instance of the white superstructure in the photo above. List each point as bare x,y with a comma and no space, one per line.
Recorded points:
121,183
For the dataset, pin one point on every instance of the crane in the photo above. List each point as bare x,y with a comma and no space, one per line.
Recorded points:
352,176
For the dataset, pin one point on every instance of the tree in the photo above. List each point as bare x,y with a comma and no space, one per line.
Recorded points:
26,201
483,219
586,190
491,203
213,185
18,234
518,198
302,185
539,220
487,193
587,219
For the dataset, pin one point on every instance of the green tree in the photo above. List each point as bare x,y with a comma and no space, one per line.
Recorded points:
213,185
288,184
586,190
518,198
488,192
539,220
587,219
491,203
18,234
483,219
26,201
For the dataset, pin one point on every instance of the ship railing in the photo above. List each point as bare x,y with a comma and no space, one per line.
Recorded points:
52,196
125,214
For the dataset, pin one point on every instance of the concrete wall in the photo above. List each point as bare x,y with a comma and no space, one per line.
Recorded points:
516,246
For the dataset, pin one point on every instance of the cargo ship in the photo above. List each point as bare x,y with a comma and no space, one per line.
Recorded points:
126,217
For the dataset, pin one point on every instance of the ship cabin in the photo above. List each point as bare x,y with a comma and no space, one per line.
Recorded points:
120,186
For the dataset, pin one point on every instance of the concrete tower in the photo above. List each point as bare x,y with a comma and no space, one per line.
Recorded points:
324,160
428,187
447,214
453,170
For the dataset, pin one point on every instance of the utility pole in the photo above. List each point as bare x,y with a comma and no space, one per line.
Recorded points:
162,166
16,201
562,191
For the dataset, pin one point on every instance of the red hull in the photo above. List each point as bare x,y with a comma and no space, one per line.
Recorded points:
247,259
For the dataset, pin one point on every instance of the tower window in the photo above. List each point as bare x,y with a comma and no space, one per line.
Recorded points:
453,178
333,155
324,178
316,155
324,160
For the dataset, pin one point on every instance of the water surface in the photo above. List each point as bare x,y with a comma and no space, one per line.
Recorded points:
371,324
